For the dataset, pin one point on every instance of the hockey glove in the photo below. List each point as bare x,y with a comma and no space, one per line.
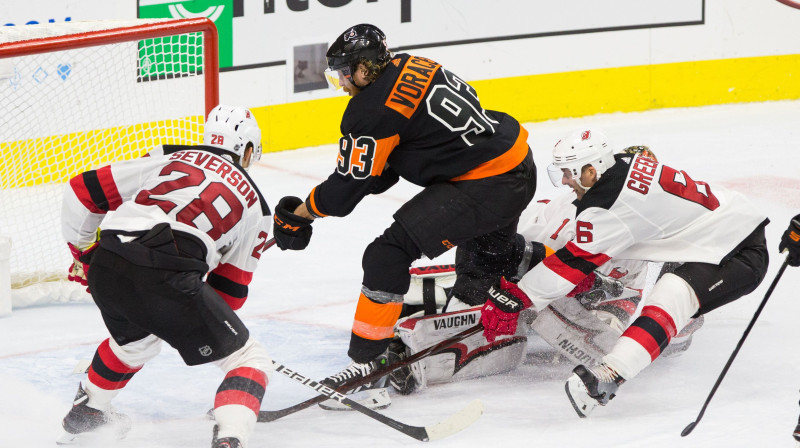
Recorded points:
291,231
596,288
80,263
790,241
500,313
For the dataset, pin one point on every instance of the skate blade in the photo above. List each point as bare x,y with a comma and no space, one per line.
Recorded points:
67,439
374,399
576,390
105,435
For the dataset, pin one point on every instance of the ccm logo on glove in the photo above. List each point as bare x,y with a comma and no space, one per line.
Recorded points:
291,231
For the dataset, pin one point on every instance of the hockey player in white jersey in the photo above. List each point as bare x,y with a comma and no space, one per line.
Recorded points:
633,207
552,223
180,212
581,327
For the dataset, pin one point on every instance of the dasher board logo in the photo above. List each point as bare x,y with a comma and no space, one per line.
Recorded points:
176,56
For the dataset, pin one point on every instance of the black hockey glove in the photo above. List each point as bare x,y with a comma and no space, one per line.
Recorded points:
385,181
790,241
291,231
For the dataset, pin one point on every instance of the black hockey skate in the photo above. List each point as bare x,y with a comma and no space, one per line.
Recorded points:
402,380
82,419
371,394
588,388
225,442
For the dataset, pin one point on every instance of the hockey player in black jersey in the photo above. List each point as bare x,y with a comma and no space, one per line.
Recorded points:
410,117
180,213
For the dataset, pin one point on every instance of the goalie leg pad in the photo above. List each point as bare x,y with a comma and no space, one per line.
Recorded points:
471,358
575,332
430,284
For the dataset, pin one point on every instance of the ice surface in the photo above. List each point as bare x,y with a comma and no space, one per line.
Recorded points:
301,307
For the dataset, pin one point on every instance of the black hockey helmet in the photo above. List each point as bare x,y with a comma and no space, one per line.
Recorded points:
359,41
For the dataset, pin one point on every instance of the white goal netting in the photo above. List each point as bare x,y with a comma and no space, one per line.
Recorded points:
76,96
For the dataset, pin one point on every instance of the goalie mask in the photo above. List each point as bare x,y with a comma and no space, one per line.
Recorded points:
232,128
365,44
581,148
640,150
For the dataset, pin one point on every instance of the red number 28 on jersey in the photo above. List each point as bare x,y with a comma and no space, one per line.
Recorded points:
202,204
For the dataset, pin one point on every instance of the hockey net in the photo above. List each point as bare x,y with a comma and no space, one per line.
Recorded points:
79,95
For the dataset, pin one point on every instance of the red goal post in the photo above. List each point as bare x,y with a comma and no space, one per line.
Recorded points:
76,96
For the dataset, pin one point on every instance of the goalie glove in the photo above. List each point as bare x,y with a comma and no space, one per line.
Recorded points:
80,263
500,314
596,288
291,231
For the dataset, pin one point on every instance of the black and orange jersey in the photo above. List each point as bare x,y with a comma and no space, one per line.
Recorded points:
427,124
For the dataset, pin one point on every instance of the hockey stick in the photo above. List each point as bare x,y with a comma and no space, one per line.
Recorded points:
690,427
269,416
450,426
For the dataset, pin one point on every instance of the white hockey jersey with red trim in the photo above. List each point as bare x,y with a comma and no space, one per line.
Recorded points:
552,223
643,210
195,189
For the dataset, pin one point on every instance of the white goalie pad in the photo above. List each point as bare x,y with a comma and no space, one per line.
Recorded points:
471,358
575,332
581,335
438,279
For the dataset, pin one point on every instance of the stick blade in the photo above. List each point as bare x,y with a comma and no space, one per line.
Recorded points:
456,422
688,429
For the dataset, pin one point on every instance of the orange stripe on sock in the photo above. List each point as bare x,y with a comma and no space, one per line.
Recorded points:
374,320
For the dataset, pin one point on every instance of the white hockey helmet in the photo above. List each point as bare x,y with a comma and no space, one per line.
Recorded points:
231,128
578,149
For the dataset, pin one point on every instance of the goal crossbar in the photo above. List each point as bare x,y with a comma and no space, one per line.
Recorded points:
124,34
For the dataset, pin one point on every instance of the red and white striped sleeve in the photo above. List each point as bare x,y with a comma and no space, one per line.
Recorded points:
91,194
599,235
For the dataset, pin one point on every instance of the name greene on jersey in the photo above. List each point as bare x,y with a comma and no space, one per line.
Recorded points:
641,175
226,171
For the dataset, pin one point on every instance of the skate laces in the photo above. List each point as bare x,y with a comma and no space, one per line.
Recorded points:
606,374
354,369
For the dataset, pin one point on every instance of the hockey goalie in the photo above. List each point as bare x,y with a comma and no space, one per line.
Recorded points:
580,328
